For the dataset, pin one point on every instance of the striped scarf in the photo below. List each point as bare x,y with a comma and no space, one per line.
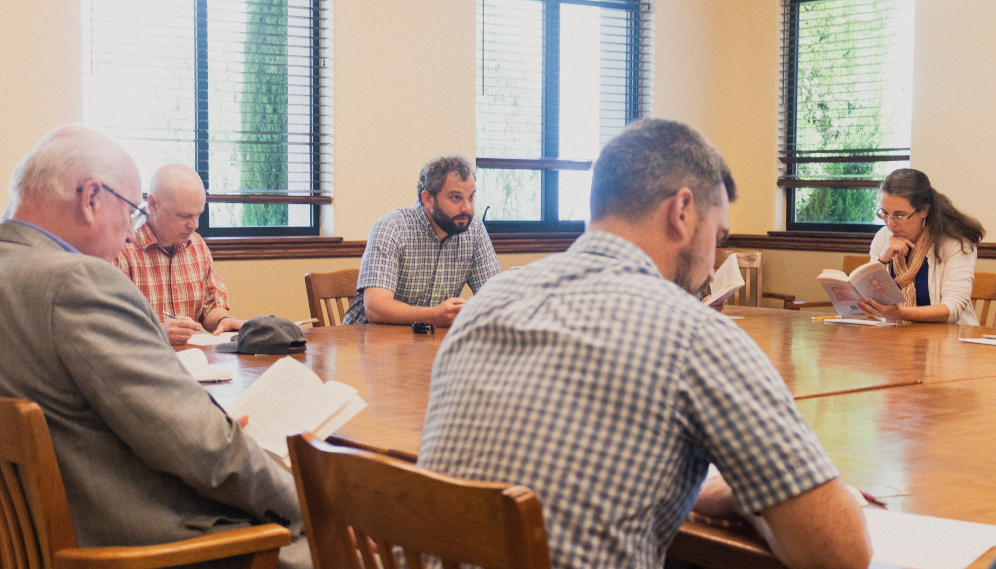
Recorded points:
906,270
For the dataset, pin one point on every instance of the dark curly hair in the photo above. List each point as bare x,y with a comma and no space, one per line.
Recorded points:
434,173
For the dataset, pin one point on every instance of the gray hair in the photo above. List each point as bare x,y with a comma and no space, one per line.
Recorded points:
649,162
434,173
65,158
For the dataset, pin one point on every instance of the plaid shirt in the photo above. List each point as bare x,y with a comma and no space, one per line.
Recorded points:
605,388
404,255
183,284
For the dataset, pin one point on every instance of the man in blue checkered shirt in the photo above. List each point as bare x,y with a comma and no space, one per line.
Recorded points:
598,379
418,259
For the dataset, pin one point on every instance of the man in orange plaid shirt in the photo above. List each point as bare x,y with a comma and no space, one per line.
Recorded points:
170,262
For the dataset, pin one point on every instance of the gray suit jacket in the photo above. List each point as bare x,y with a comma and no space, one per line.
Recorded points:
146,456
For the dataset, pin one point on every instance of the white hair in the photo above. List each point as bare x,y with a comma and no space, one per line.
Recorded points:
65,158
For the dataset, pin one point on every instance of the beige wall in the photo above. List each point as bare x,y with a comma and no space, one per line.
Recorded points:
404,90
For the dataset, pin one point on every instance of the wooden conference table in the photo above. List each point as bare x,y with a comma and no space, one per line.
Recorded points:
908,408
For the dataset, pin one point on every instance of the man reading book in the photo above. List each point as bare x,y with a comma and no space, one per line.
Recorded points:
598,379
145,454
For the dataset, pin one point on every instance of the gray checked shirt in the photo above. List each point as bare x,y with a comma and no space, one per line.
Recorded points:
608,390
404,255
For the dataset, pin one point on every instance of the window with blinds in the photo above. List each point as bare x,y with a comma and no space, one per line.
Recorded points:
847,108
555,81
238,90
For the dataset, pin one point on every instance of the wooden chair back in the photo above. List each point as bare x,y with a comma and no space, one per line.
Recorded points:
852,262
36,527
749,262
983,293
334,290
34,512
384,502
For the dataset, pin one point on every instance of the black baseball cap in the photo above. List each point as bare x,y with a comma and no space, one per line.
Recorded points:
270,335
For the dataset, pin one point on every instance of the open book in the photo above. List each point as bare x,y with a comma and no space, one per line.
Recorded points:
197,364
871,280
289,397
725,283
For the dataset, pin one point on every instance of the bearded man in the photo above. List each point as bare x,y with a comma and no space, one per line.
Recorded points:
418,259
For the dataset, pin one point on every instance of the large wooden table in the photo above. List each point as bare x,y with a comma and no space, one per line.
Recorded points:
907,408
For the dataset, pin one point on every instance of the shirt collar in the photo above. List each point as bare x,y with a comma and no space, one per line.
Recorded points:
145,239
59,240
424,223
611,245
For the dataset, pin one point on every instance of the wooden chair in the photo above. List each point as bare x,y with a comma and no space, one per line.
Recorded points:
983,293
749,262
335,289
387,502
36,528
850,263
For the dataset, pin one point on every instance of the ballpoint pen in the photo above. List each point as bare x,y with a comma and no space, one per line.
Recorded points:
872,499
822,318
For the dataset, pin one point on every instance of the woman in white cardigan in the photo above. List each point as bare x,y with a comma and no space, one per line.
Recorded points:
930,248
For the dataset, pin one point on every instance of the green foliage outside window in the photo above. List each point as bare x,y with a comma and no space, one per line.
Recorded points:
264,110
845,102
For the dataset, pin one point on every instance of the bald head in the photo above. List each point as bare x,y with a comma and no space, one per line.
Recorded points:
176,201
61,185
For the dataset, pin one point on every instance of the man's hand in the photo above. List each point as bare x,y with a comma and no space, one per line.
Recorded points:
446,312
180,329
228,325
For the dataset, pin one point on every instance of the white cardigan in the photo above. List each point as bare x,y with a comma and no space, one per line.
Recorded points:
949,278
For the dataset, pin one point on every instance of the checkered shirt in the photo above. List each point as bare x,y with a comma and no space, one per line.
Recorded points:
607,389
183,284
404,255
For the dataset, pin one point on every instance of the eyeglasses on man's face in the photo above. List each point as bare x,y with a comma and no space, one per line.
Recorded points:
886,216
138,216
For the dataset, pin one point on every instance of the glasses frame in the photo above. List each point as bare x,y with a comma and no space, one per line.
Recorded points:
884,216
139,216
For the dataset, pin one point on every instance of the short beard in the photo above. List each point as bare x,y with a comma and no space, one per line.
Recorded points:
448,224
683,269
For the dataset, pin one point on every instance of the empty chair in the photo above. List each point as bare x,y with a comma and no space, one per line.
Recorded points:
385,502
36,527
335,290
983,293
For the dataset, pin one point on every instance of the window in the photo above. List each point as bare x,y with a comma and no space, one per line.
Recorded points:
239,90
555,80
847,108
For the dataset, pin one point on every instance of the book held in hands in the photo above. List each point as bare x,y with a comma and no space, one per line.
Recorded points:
871,280
288,397
725,283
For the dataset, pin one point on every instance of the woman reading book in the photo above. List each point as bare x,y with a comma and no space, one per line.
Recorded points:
930,248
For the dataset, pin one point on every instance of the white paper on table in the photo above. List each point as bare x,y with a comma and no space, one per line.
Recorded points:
211,339
986,341
289,397
926,542
197,365
858,321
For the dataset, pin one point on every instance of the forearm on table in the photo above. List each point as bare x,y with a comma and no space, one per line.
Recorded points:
213,318
390,311
933,313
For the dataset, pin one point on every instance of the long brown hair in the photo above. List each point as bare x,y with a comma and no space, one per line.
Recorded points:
943,217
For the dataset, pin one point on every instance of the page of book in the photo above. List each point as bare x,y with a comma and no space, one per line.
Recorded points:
926,542
289,397
197,365
725,283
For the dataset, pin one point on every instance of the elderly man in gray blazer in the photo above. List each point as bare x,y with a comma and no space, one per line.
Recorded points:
145,454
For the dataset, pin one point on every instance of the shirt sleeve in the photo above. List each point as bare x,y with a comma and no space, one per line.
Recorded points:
958,273
381,262
746,420
215,292
485,264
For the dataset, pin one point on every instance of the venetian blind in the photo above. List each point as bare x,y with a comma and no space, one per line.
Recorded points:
847,86
240,91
